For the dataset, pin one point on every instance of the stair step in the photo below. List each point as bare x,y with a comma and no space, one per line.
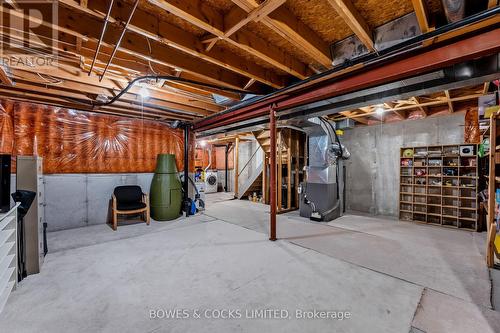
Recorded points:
263,134
265,142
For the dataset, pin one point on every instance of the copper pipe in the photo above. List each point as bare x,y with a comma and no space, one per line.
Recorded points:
272,167
119,40
102,36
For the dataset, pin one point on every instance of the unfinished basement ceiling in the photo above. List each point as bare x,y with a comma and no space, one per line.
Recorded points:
417,107
247,46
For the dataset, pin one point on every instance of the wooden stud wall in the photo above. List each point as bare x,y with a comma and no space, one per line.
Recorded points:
290,161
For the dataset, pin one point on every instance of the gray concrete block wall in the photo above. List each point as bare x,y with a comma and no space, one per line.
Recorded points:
78,200
372,184
221,178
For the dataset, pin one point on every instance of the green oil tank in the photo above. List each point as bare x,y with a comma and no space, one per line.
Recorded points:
166,189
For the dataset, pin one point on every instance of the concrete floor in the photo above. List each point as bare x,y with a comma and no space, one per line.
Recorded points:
390,276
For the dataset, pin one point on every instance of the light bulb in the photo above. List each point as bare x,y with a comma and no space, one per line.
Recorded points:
144,92
380,110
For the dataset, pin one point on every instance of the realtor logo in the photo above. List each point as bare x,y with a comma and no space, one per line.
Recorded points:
29,33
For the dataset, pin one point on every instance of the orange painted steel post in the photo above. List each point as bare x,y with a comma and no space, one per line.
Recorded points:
272,169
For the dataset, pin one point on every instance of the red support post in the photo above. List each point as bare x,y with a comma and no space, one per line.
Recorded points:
272,178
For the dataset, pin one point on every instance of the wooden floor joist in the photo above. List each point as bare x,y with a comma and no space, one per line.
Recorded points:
150,26
252,46
205,17
358,25
285,24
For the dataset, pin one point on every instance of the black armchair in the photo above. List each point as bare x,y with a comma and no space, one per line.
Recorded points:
129,200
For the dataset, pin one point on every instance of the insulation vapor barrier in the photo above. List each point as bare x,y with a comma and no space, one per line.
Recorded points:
72,141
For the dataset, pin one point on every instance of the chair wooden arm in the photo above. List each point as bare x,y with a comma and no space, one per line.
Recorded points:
115,211
145,199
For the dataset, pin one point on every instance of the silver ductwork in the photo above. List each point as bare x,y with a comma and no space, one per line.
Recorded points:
454,10
322,195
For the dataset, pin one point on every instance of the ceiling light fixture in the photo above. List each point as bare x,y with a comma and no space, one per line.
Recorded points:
144,92
380,110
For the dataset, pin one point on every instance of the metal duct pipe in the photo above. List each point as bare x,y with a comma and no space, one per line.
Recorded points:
209,159
454,10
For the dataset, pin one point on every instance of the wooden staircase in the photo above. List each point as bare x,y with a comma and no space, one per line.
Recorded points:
264,139
290,160
253,184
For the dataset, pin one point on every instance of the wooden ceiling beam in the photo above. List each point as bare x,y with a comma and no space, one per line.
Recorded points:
183,88
362,120
198,13
5,77
420,8
65,71
237,18
130,63
486,87
425,104
283,22
158,30
70,95
93,86
448,99
83,3
466,29
355,21
419,106
57,101
78,24
70,89
399,113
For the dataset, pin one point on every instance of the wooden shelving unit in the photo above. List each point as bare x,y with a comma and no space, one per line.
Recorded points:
439,186
493,177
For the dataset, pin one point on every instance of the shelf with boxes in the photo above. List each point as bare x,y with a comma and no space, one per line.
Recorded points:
438,185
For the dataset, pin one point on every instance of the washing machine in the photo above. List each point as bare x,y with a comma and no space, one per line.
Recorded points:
211,182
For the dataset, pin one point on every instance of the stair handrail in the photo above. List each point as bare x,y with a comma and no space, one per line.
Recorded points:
249,160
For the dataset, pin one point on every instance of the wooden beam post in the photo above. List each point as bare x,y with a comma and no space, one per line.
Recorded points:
420,8
448,99
486,87
236,164
354,20
264,177
273,182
